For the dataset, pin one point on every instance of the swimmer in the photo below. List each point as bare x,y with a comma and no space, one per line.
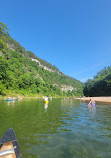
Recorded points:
91,103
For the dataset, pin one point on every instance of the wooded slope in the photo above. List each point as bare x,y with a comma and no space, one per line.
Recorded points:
22,72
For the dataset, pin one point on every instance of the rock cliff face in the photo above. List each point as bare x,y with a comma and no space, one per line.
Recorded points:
11,46
45,67
63,87
67,88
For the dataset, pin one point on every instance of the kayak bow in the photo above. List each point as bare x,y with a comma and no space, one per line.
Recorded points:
8,145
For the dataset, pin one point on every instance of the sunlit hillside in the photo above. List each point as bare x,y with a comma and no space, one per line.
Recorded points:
22,72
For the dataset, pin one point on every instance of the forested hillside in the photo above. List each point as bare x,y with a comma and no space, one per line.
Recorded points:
22,72
100,85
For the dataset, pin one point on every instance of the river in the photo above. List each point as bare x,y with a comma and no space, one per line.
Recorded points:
64,128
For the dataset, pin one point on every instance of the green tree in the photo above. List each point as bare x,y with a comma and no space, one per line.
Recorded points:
3,28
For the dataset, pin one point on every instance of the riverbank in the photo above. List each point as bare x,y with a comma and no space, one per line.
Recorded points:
97,99
40,96
19,96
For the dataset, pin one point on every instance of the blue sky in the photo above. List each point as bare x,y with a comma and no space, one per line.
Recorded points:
74,35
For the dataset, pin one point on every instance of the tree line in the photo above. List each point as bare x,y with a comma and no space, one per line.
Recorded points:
100,85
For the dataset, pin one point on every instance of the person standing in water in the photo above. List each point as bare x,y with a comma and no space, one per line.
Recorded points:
91,103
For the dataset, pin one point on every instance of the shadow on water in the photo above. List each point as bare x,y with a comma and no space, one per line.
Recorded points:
64,128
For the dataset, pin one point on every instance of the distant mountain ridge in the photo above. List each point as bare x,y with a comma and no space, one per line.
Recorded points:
22,72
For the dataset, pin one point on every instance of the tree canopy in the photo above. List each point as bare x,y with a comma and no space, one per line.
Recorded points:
100,85
3,28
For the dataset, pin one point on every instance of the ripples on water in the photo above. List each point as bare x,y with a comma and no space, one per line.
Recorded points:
60,129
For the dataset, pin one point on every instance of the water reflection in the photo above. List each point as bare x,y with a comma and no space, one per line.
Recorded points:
69,102
92,108
45,106
11,103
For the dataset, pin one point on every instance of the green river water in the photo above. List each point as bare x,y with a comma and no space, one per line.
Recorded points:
62,129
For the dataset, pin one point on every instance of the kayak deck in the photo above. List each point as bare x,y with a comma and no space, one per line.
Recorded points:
8,145
7,151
